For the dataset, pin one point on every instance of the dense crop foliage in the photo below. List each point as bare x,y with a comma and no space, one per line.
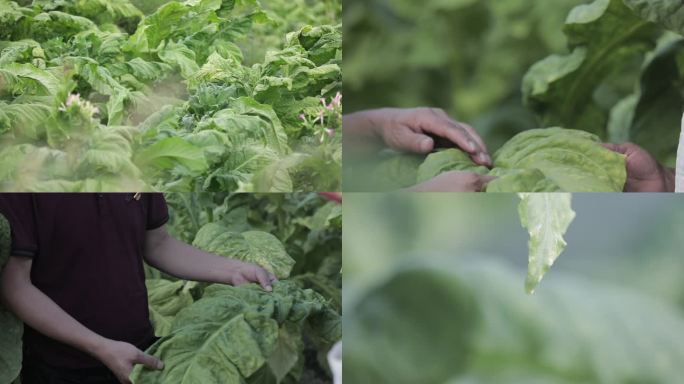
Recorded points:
615,71
442,289
203,95
573,330
221,334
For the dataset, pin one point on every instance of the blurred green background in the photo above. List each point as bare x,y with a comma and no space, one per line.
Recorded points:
465,56
433,291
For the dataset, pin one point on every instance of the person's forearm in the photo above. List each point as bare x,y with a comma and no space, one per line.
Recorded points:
41,313
187,262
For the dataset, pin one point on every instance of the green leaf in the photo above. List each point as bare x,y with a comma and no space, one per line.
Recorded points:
166,298
445,161
276,176
379,349
647,116
546,216
669,13
232,332
256,247
574,161
169,152
603,36
285,353
27,75
518,180
395,171
179,56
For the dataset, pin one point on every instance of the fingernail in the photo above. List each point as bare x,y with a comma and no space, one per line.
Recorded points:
160,365
485,158
426,145
269,288
471,146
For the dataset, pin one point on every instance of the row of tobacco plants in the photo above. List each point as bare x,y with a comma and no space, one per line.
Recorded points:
197,95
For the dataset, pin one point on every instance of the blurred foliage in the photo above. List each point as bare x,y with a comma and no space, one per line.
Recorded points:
466,56
425,273
610,67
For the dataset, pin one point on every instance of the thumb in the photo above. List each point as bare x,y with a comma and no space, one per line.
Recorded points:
264,280
407,140
483,180
149,361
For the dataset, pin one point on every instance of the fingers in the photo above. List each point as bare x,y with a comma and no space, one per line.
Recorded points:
408,140
264,280
614,147
624,149
463,135
474,135
149,361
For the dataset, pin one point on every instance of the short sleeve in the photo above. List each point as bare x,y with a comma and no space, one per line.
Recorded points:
157,211
19,210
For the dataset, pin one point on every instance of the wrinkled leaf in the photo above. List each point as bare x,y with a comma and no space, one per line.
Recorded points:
232,332
256,247
166,298
546,216
445,161
603,36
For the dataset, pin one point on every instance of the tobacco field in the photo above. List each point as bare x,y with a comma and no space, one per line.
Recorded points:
196,95
212,333
593,71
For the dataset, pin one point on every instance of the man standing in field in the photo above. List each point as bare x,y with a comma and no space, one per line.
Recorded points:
75,277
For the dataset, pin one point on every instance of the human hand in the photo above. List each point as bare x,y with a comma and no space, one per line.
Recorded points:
245,273
644,173
454,181
409,130
121,357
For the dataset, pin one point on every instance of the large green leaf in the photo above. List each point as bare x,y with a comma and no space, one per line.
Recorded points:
649,116
232,332
574,161
603,36
257,247
546,216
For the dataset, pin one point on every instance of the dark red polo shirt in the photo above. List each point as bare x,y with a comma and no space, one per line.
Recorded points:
87,252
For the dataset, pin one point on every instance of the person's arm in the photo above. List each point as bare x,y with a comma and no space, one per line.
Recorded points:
176,258
644,173
41,313
410,130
